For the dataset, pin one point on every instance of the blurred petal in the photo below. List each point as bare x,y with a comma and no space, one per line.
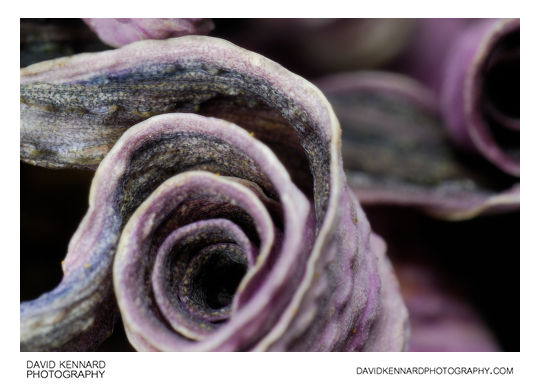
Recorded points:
480,91
396,150
119,32
473,67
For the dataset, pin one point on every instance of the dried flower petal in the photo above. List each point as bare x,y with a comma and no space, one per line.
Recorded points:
396,150
480,91
270,200
473,68
119,32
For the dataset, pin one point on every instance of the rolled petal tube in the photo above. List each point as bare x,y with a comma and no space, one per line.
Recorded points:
209,234
480,91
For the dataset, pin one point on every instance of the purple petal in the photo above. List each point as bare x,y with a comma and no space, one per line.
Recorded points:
480,91
316,278
119,32
473,67
396,150
428,49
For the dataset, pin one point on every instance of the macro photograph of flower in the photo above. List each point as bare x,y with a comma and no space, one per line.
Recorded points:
289,185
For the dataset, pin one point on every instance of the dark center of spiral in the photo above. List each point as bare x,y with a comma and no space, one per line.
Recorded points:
502,76
217,277
219,281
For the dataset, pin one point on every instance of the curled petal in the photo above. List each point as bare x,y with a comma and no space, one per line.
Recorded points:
119,32
217,237
396,150
480,91
199,194
472,65
427,51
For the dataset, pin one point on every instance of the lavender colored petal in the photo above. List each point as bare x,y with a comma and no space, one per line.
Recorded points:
396,150
318,282
428,49
119,32
480,91
472,65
